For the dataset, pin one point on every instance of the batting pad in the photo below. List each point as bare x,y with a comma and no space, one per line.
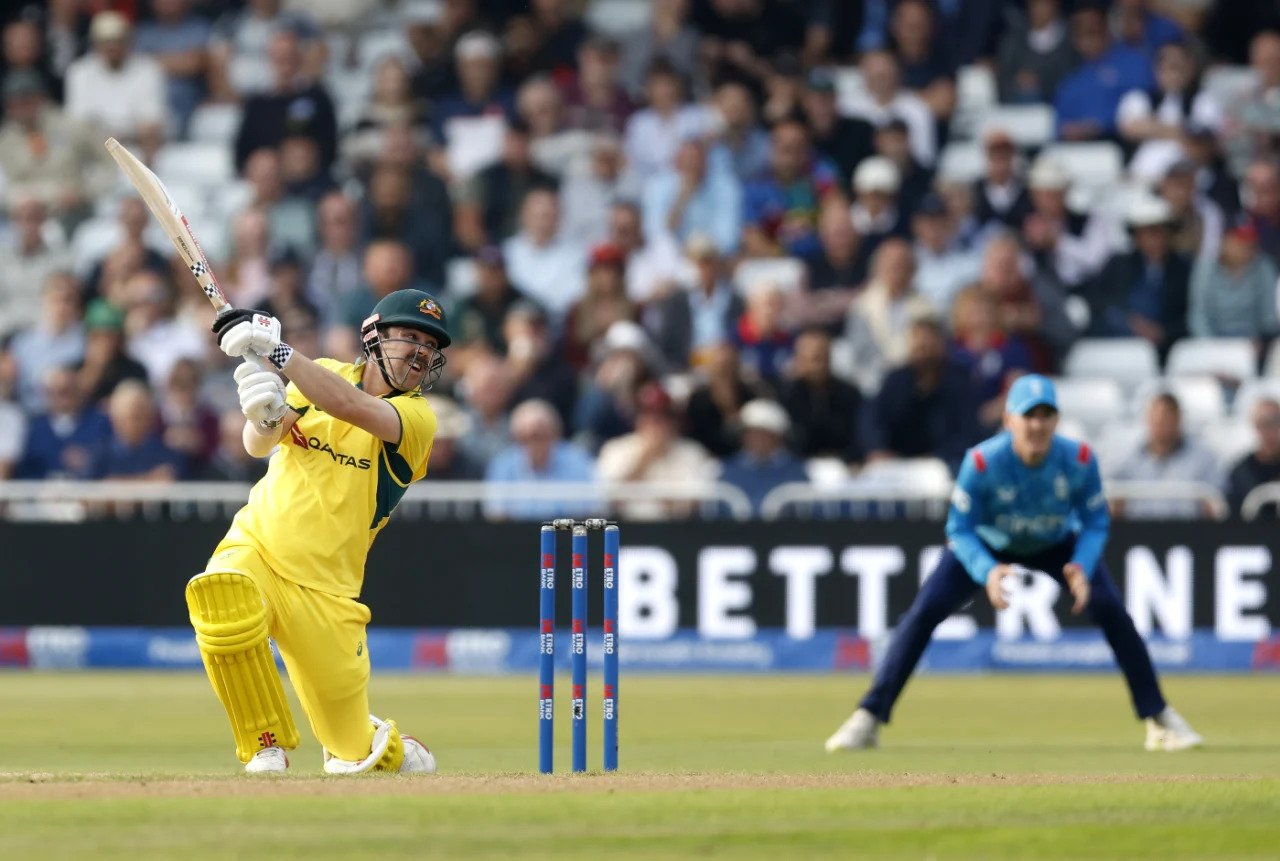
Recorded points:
230,619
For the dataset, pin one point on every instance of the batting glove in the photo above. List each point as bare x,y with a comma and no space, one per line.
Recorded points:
242,332
261,395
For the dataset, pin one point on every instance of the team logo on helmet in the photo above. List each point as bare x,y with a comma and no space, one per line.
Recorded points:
430,308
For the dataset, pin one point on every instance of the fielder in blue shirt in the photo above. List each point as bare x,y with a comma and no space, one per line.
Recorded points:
1025,499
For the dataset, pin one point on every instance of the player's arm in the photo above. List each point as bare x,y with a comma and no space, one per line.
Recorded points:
963,518
1091,507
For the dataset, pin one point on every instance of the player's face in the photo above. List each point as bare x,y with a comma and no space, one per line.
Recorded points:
413,358
1033,431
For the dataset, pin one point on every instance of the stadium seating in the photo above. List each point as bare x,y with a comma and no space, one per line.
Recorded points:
1091,401
201,163
1251,391
1030,126
1227,357
1090,165
961,161
1230,440
214,123
618,17
1128,361
787,273
1200,398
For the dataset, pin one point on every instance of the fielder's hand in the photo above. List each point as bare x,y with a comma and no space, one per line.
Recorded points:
995,589
1078,584
242,332
261,395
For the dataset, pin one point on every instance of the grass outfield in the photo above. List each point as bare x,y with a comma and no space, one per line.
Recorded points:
140,766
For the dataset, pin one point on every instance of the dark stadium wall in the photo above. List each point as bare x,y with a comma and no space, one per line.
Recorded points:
722,579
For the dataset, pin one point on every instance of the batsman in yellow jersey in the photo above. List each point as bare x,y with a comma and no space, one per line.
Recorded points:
352,438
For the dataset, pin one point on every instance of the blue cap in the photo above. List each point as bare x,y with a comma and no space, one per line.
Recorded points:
1029,392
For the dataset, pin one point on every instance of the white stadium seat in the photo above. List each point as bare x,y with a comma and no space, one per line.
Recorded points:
1230,440
618,17
786,272
926,475
460,276
1200,398
1094,402
1091,165
1250,392
1117,441
1128,361
1227,357
961,161
1228,83
373,46
1072,429
976,94
1030,126
198,163
93,239
826,471
215,124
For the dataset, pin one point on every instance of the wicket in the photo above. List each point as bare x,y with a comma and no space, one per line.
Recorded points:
579,575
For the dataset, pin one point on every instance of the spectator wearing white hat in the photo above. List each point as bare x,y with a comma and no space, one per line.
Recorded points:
764,461
875,211
120,91
1067,245
1143,293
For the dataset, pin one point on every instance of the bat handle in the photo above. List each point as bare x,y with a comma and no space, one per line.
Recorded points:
260,361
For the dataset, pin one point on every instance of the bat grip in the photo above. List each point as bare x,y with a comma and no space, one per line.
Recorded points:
260,361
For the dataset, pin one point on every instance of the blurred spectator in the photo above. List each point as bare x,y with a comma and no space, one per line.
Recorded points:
55,339
739,37
288,291
105,363
1229,28
654,264
13,436
655,452
928,64
1035,54
781,207
926,407
832,31
387,267
1000,196
626,364
1169,455
879,318
995,357
412,207
885,98
535,366
487,206
478,319
1143,293
26,264
230,462
46,154
240,42
295,105
839,268
714,408
486,388
827,413
479,94
1197,221
1213,178
1029,303
590,187
560,33
943,265
392,101
695,197
654,133
1260,194
553,145
335,268
247,277
687,325
1154,121
547,268
190,428
844,140
597,100
1136,25
669,36
1087,99
538,454
135,450
875,211
450,460
970,234
121,92
763,462
1252,127
762,335
1068,245
178,40
1262,465
603,304
431,30
914,180
22,48
156,337
742,146
783,89
130,254
62,438
291,219
1234,295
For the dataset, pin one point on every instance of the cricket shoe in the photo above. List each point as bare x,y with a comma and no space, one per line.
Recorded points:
417,758
861,730
269,760
1170,731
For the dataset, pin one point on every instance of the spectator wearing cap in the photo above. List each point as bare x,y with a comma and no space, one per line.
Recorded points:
597,99
1087,99
655,452
295,105
22,48
927,60
1167,454
1000,196
781,207
538,453
1197,222
844,140
764,461
995,357
1260,194
450,460
626,363
885,98
654,133
1030,302
477,319
105,363
741,145
487,207
178,40
604,303
1143,293
827,413
714,410
25,264
763,334
687,325
55,339
914,180
239,42
116,89
410,205
480,93
943,265
878,319
230,461
668,36
875,211
1153,120
654,264
1067,245
136,449
61,438
546,267
1035,54
926,407
1234,294
335,268
533,363
1262,465
591,186
696,196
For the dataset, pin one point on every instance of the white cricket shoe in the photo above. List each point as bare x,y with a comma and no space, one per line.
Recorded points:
1170,731
861,730
269,760
417,758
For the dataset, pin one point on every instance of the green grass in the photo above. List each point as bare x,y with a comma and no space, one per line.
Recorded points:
141,766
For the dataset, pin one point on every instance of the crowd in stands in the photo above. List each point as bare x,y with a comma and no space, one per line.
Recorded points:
677,240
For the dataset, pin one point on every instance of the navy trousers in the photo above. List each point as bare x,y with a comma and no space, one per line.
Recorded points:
949,587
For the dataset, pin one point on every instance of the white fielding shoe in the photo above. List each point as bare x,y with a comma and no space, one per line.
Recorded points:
269,760
417,758
1170,731
860,731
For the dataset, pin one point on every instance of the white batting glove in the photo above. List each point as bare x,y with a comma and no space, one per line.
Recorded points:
261,395
245,332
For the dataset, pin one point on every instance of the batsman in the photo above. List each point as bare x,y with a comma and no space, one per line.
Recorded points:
352,437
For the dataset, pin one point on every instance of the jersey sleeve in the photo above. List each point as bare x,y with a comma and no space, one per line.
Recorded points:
964,517
417,430
1095,520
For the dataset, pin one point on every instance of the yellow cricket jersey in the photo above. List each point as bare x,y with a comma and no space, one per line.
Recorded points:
330,488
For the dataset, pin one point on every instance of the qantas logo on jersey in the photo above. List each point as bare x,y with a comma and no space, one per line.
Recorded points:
315,444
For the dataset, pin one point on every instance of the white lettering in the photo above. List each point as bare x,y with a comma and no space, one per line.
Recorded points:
1031,599
1153,595
647,605
873,566
1235,591
801,566
722,595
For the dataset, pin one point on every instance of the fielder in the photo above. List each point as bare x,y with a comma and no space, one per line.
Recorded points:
1024,499
352,438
